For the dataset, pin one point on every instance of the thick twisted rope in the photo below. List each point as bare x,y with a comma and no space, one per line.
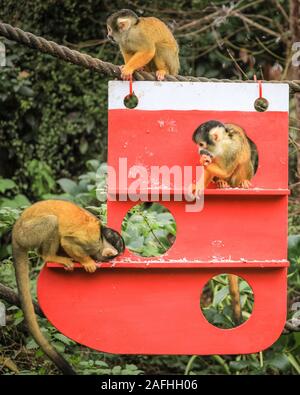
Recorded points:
104,68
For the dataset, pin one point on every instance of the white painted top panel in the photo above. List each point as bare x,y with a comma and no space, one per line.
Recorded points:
205,96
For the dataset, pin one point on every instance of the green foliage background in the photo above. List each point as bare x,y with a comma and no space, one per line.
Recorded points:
53,137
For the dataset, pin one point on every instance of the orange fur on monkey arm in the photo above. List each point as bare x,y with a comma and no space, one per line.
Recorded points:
138,60
214,170
126,56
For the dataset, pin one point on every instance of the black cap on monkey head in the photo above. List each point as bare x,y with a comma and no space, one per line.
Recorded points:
114,238
112,19
202,131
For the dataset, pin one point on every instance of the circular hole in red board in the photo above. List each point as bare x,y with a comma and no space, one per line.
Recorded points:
219,301
261,104
149,229
131,101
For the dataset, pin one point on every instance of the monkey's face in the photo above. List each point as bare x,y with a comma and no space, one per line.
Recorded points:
119,23
111,245
208,136
110,34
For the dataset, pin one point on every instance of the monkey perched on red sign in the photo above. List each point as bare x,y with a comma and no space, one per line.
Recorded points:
64,233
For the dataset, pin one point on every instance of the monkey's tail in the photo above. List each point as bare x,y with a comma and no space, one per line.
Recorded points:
234,291
21,264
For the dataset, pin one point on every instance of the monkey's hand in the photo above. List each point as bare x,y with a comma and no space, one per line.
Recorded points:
245,184
205,157
140,69
126,72
89,266
69,266
221,184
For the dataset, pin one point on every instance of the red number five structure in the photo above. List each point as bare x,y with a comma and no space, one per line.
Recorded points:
152,306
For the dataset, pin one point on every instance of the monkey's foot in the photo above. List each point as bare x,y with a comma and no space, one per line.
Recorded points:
62,260
195,191
69,266
89,267
245,184
222,184
198,193
160,75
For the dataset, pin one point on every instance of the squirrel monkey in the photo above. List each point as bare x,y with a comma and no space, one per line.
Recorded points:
144,43
225,154
61,232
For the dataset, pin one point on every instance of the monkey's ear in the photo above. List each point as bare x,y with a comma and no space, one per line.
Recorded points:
216,134
123,24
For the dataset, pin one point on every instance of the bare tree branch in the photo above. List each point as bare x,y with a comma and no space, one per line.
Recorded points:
257,25
281,9
12,298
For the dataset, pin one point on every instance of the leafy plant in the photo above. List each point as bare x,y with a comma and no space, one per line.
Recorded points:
7,196
8,216
6,184
102,368
216,302
86,191
42,181
149,231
